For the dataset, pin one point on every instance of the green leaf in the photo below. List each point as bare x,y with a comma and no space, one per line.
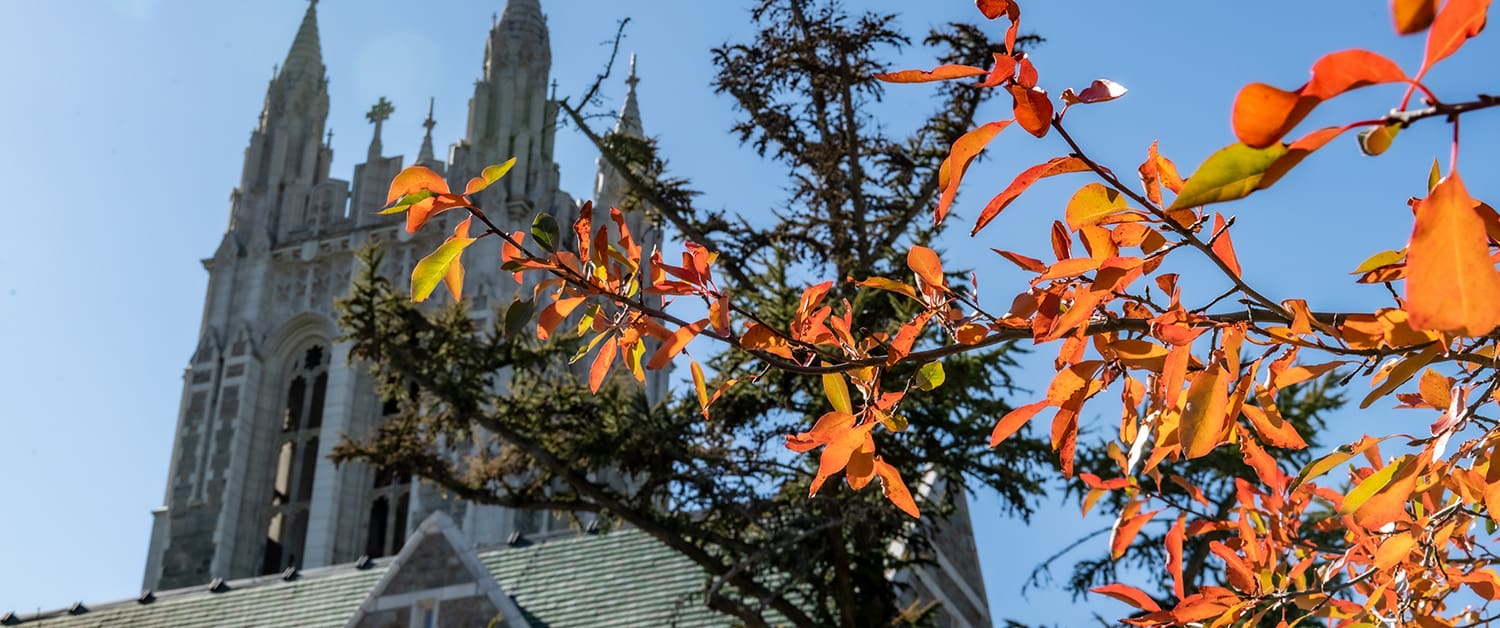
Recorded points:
1377,139
1434,176
1229,174
893,422
488,176
930,376
407,201
1339,456
516,316
430,271
544,231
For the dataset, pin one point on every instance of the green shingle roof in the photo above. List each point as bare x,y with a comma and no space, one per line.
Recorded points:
624,578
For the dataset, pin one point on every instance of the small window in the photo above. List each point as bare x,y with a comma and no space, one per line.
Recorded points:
424,614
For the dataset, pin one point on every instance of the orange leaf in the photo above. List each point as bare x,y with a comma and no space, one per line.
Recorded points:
1272,428
1299,374
1296,152
1435,389
1236,571
1033,108
1264,114
1223,247
836,455
1413,16
889,285
554,314
1125,531
1129,595
1451,284
861,467
1454,24
674,345
1394,550
1175,538
940,73
1031,264
1346,70
1381,497
906,337
828,426
1014,420
1158,171
413,180
602,363
925,263
1053,167
895,490
965,149
1203,415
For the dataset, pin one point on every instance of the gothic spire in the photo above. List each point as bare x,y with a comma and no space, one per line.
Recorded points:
306,54
630,114
424,155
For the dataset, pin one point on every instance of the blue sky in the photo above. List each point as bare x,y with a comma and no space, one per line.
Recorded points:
124,126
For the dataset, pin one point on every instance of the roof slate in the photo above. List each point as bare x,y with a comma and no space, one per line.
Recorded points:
623,578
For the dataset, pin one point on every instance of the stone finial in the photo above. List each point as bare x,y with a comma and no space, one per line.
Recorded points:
425,154
378,115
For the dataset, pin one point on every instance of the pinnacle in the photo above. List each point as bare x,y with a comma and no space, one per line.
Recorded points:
306,54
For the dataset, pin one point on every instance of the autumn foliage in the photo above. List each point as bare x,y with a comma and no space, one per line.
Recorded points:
1410,512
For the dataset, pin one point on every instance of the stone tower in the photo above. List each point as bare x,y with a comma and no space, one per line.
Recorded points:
268,392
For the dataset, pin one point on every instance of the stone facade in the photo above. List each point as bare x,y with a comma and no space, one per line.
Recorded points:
250,489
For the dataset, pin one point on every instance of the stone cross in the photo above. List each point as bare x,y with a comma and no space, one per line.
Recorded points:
378,114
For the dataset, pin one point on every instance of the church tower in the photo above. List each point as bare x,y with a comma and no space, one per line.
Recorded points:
268,393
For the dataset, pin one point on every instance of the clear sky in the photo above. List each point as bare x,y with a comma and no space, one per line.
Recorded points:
124,124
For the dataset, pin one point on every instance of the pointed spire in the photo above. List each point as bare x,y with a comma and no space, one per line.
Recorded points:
378,115
425,154
306,54
630,113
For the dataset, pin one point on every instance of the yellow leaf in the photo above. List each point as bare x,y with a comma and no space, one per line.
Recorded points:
837,391
488,176
1203,415
435,267
1092,204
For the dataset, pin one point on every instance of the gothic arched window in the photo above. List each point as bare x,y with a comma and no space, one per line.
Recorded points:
296,459
390,498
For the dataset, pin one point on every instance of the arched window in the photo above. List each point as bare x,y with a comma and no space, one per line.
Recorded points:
296,460
390,498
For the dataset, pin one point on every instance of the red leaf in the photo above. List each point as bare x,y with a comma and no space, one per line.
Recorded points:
1451,283
1223,247
995,8
940,73
1033,108
1454,24
1264,114
1345,70
1053,167
1003,70
1129,595
965,149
